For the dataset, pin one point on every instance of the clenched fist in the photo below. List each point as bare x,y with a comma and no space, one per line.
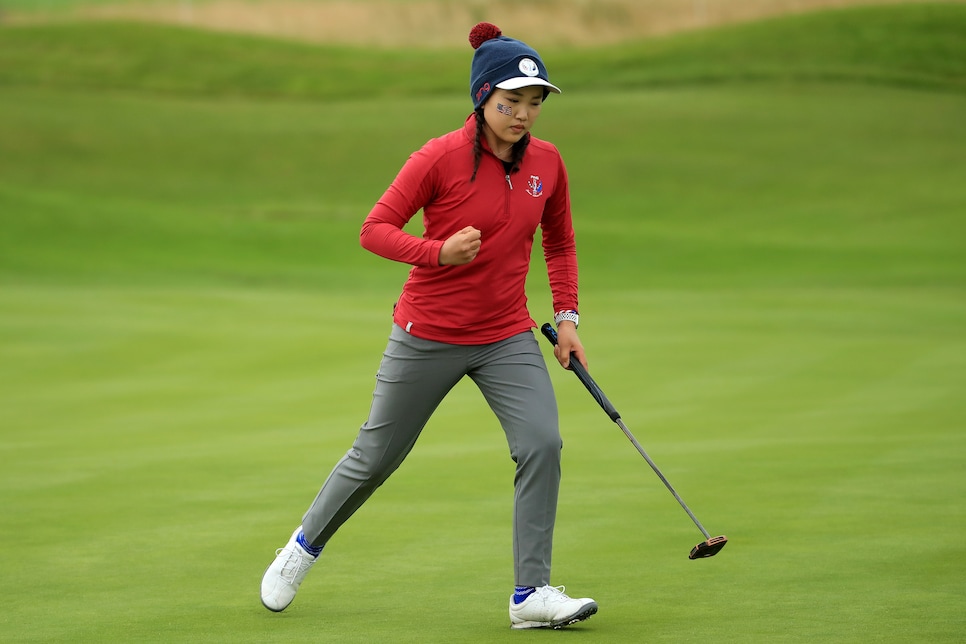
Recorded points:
461,248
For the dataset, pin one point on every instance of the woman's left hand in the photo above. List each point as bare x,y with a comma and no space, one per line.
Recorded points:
568,345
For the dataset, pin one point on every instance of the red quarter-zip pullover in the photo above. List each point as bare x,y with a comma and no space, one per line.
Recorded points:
483,301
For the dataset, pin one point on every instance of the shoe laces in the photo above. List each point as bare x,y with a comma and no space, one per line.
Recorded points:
555,594
295,563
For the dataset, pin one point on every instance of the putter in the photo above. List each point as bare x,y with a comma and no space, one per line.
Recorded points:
711,545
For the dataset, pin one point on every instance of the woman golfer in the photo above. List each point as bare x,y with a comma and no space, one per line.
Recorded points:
484,189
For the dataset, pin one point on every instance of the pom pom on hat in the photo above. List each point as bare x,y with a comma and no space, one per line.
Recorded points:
482,32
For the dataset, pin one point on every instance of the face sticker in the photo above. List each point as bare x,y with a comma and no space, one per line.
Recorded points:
504,109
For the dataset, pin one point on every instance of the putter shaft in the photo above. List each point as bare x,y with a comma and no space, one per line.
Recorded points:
598,394
664,480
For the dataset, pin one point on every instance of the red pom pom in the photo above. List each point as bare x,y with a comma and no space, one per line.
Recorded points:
483,32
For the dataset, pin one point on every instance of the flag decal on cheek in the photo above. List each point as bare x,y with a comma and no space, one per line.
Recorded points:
504,109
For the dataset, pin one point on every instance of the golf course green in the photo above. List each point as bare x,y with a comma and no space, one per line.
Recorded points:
771,224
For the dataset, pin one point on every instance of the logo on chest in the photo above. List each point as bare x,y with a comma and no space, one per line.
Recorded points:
535,186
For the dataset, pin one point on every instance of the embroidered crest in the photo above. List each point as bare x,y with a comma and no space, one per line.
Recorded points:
534,186
528,67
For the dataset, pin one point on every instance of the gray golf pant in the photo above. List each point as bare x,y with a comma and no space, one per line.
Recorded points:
414,377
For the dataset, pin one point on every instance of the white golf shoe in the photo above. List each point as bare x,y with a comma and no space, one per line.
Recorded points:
549,607
285,575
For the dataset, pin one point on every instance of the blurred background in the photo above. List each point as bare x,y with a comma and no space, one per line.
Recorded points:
770,207
429,23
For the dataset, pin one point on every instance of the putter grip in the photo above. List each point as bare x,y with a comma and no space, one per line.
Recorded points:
584,377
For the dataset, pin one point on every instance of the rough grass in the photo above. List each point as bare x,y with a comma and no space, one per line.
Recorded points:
917,46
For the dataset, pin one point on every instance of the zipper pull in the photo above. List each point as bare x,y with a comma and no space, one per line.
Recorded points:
508,182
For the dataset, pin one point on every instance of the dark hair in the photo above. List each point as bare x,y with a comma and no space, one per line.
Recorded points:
518,148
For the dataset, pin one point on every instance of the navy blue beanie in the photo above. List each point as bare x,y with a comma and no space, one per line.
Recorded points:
505,63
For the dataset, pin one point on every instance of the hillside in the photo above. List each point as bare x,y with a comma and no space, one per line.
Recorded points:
399,24
909,45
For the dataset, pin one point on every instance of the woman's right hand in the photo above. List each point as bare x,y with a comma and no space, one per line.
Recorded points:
461,248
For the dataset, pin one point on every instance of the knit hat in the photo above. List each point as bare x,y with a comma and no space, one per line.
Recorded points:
504,63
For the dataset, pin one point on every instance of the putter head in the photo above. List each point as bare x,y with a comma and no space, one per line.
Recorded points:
708,548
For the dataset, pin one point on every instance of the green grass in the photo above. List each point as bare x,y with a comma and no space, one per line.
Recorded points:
916,46
773,297
919,46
